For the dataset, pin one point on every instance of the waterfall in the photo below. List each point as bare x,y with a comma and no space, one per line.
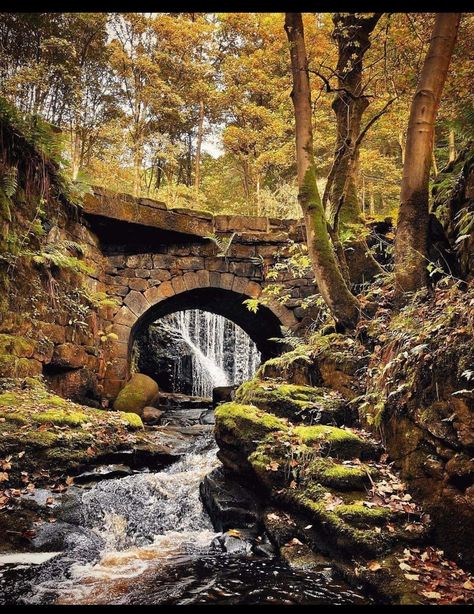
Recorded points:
222,354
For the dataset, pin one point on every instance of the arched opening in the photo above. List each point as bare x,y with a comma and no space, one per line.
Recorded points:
202,338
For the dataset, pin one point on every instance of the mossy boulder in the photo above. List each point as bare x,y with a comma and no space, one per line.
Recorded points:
338,476
139,392
244,425
337,442
239,429
298,403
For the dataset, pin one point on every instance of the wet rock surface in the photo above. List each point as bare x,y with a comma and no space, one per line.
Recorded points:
228,503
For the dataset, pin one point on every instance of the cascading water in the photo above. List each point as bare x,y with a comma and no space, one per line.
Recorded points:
145,539
222,353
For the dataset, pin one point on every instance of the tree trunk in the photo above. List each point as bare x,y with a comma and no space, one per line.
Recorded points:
401,142
452,146
76,156
342,303
433,160
411,242
197,162
137,165
352,33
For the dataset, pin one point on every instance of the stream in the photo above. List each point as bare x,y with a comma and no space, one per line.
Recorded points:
141,536
146,539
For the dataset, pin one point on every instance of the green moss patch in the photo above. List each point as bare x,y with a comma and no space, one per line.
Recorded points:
333,441
338,476
298,403
245,425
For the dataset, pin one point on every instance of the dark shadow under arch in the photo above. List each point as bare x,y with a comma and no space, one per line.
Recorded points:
260,327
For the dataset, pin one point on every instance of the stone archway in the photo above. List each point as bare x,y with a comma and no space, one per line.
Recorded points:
221,293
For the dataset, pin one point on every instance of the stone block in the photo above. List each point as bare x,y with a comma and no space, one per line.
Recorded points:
68,355
239,284
166,289
139,261
217,263
153,295
243,269
239,223
214,279
143,273
160,274
178,284
253,289
125,316
163,261
53,332
122,332
203,277
117,369
188,263
191,281
136,302
226,281
237,250
138,284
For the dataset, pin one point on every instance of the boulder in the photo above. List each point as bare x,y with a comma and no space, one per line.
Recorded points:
228,503
222,394
151,415
137,394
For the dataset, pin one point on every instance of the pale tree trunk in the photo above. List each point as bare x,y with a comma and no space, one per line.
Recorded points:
401,142
342,303
76,156
433,160
137,165
372,204
452,146
200,134
411,242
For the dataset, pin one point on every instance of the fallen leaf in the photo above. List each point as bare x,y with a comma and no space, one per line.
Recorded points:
293,484
3,476
412,576
405,567
431,594
233,533
468,585
374,566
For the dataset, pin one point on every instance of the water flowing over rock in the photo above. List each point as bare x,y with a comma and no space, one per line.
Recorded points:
194,351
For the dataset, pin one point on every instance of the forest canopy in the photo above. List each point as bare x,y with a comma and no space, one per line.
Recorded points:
194,108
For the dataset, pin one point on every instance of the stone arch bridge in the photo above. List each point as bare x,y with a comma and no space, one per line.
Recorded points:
156,261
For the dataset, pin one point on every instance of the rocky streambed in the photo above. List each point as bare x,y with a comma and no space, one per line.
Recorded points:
122,533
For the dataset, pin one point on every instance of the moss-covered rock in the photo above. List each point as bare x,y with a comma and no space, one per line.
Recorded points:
338,476
298,403
244,426
239,429
139,392
336,442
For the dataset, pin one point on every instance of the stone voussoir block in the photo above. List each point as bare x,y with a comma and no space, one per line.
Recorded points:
125,316
226,281
136,302
191,280
239,284
253,289
178,284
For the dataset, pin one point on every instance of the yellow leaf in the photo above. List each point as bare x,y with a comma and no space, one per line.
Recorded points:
431,594
412,576
233,533
374,566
